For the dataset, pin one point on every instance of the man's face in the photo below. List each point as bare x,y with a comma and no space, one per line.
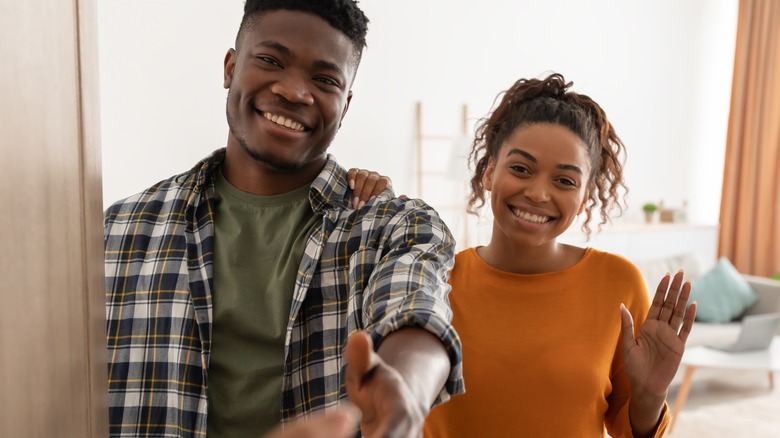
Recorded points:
289,88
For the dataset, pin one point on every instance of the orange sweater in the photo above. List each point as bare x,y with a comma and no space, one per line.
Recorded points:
541,353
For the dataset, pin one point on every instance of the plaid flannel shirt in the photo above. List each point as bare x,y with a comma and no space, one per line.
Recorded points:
377,269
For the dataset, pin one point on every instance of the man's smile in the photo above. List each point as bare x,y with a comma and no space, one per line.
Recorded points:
283,121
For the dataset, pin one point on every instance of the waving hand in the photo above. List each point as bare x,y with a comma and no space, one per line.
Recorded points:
652,357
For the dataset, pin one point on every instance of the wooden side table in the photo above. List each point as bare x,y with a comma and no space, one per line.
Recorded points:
704,357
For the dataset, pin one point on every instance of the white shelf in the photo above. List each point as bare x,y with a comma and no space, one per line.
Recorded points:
641,241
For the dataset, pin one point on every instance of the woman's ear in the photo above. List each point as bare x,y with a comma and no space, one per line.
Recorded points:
584,203
487,177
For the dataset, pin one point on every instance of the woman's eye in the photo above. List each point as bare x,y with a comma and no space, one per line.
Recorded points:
519,169
567,182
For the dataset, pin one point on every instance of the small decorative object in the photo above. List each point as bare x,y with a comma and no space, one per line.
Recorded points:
666,215
673,215
649,210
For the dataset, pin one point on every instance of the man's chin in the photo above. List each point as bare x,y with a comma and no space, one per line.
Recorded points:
278,164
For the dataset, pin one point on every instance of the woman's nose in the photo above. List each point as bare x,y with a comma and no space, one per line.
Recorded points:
537,192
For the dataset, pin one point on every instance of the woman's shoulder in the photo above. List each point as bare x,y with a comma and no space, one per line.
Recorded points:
467,259
614,264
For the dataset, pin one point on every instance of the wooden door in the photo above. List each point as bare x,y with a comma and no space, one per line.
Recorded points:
52,317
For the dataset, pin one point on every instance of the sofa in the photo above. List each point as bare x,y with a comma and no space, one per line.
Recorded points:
767,289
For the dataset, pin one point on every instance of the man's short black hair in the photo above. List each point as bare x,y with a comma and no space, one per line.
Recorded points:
344,15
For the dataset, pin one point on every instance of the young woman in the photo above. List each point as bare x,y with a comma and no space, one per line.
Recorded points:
558,340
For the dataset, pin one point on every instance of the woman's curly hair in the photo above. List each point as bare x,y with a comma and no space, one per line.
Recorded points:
548,100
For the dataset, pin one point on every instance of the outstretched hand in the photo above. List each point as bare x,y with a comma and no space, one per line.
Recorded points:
341,423
653,357
365,185
387,404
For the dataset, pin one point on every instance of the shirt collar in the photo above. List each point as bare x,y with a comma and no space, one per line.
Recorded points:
204,170
329,189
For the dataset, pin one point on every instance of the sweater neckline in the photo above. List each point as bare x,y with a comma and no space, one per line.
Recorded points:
581,263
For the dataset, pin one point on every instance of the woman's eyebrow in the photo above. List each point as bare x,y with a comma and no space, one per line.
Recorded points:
532,158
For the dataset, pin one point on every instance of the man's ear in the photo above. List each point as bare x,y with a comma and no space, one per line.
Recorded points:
229,67
346,107
487,177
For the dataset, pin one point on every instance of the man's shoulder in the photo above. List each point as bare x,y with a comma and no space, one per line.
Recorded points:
387,207
164,194
391,219
154,197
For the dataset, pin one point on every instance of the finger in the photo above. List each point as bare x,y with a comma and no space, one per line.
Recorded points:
626,328
658,298
360,358
340,423
690,316
368,188
357,186
351,177
680,307
382,183
671,297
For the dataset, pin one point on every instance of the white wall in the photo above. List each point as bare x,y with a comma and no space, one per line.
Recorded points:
661,69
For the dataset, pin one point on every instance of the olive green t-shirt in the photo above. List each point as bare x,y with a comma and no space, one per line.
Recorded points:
258,246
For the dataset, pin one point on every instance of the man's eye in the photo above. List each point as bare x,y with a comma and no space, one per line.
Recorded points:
327,81
269,60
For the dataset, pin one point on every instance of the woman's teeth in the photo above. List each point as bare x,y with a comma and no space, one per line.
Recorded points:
530,217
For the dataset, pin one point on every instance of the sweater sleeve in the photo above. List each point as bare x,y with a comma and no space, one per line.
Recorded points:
617,420
618,424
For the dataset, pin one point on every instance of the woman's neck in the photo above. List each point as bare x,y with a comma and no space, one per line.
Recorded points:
549,257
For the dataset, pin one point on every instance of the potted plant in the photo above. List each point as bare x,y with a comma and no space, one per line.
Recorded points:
649,210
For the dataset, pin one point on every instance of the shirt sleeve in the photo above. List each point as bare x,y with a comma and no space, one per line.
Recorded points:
408,285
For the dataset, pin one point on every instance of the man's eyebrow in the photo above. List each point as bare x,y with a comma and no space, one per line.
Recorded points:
532,158
276,45
327,65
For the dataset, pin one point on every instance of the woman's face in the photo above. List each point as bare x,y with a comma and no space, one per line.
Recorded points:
538,184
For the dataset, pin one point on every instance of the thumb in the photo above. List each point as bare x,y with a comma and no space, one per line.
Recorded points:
360,358
626,328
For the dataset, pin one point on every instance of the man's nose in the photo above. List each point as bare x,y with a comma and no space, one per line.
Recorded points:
294,90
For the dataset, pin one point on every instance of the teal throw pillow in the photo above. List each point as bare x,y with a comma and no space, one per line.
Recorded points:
721,294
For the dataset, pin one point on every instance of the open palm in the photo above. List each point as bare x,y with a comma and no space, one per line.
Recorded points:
653,356
388,406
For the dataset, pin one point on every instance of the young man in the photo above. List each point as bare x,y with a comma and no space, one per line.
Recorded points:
232,288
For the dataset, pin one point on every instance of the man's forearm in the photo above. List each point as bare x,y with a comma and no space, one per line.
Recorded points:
421,359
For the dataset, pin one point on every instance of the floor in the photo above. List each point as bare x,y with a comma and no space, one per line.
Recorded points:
728,404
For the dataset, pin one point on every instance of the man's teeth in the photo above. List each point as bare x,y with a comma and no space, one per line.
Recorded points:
530,217
279,120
